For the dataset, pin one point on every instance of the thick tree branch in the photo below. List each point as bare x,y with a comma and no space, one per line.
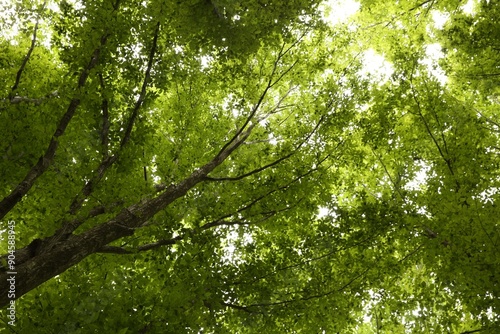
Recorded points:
45,160
39,246
28,55
74,248
107,160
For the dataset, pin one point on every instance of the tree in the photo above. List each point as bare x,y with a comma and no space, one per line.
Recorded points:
166,164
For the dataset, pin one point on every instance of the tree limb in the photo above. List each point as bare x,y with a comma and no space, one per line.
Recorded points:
272,164
301,263
107,160
142,95
256,107
142,248
306,298
237,307
28,55
105,120
46,159
474,331
25,99
427,127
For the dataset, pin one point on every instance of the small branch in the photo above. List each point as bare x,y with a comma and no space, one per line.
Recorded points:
107,160
256,107
142,95
304,262
238,307
105,120
411,253
159,244
290,301
216,9
397,16
285,186
247,121
278,106
474,331
225,223
258,141
342,288
272,164
114,250
70,226
88,188
396,187
172,241
297,179
436,117
24,99
421,4
295,43
255,171
284,73
28,55
489,120
143,248
235,222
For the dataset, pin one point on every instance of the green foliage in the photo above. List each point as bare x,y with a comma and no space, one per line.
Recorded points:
352,203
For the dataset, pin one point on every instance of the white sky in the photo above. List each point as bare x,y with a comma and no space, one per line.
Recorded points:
376,67
339,11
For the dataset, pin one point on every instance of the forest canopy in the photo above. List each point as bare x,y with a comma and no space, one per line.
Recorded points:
215,166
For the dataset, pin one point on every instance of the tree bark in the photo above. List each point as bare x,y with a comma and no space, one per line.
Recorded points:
47,262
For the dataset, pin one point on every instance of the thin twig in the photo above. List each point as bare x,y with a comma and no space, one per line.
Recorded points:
272,164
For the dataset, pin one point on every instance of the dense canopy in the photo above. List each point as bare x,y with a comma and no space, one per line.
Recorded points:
216,166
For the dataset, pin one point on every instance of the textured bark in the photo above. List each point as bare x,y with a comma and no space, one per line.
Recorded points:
53,256
46,159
